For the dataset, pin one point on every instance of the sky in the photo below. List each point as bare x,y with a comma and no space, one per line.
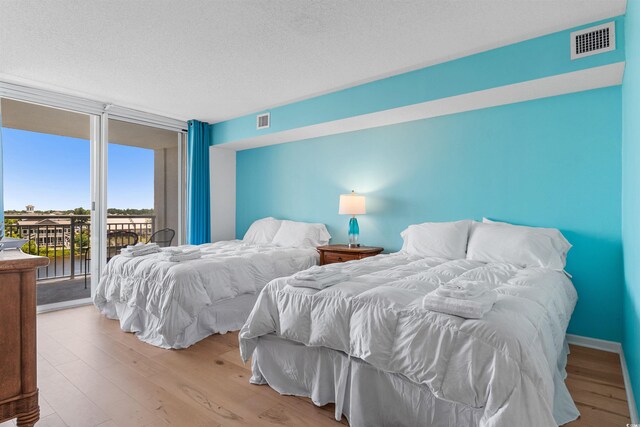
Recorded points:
53,173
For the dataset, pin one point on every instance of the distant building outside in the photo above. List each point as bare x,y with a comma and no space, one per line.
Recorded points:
52,231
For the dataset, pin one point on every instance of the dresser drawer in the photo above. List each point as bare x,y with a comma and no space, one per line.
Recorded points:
331,254
333,257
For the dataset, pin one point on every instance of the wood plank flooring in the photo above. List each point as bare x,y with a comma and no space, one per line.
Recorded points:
90,373
597,387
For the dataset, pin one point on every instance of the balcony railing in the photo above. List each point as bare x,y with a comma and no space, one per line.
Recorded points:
66,239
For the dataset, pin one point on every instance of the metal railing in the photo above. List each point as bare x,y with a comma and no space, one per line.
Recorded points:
66,239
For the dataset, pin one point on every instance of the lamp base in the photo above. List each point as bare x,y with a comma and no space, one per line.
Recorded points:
354,232
354,245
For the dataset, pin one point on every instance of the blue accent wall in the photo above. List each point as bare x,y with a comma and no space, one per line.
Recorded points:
528,60
552,162
631,196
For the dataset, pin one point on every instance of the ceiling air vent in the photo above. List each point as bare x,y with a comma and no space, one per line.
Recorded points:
263,121
591,41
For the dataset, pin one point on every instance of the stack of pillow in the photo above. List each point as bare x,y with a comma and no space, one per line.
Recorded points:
488,241
286,233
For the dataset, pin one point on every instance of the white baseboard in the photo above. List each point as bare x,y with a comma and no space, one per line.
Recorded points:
604,345
63,305
612,347
633,409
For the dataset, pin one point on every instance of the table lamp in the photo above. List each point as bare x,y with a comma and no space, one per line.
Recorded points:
352,204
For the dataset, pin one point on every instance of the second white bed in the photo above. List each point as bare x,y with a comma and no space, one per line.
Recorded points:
174,305
496,371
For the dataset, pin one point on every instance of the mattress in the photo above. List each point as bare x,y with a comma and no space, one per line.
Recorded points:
507,365
160,300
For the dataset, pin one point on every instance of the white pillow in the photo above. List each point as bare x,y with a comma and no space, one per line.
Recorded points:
522,246
262,231
561,244
437,239
301,234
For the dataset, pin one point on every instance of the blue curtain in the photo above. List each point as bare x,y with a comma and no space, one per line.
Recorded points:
198,195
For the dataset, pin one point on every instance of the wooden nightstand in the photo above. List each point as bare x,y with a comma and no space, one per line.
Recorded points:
342,253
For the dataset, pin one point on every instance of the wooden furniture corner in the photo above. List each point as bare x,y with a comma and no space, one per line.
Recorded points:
330,254
18,354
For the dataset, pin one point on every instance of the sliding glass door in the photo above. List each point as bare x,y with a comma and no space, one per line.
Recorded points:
47,199
82,179
144,186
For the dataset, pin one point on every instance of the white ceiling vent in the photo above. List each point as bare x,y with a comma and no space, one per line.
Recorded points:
590,41
263,121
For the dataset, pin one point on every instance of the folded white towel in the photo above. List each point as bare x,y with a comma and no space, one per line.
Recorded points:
467,308
172,250
320,283
140,249
315,273
462,289
141,246
137,254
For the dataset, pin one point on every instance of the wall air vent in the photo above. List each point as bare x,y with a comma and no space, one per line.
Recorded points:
590,41
263,121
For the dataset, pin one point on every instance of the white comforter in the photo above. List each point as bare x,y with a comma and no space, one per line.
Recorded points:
175,292
505,363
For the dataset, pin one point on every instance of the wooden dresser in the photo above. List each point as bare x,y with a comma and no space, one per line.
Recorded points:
330,254
18,384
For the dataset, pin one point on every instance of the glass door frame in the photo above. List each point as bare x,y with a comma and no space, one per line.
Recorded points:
99,113
99,185
182,187
94,144
99,134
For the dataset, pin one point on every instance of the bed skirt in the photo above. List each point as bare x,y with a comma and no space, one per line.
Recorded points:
220,317
365,395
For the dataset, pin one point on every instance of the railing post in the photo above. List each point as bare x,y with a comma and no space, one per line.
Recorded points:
73,246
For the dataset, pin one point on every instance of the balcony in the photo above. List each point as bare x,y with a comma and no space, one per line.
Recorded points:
66,241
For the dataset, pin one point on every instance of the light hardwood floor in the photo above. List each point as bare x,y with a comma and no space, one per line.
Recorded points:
90,373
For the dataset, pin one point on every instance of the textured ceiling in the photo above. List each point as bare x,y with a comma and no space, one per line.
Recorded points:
214,60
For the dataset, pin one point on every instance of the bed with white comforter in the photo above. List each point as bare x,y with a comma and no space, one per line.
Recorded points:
175,304
505,369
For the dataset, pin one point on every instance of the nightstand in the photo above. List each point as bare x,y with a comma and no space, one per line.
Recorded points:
330,254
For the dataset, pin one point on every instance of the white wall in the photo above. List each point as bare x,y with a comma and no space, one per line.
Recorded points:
222,171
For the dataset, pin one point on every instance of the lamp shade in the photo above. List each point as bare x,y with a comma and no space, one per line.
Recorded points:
352,204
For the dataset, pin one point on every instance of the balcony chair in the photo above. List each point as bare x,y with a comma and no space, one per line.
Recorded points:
121,239
116,241
162,237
